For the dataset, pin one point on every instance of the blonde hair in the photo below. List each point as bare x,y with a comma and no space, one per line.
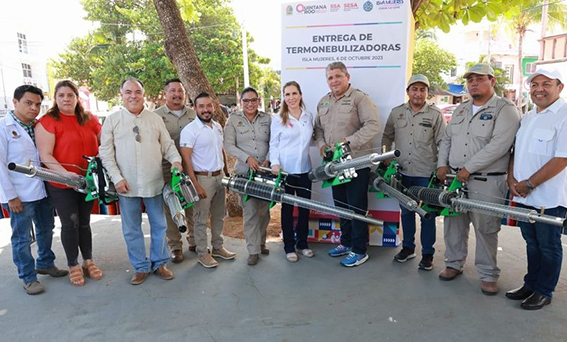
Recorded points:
284,112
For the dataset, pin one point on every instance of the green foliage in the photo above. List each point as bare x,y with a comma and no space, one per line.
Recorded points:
129,42
432,61
444,13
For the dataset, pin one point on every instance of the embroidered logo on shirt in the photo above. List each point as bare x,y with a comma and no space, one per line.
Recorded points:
15,135
347,102
401,116
486,116
239,124
325,104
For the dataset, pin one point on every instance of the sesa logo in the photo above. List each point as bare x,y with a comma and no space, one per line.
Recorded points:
289,10
350,6
368,6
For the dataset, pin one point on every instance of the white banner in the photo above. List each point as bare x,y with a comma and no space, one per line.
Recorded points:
372,38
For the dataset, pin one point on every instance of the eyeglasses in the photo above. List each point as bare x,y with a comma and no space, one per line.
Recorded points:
250,100
137,131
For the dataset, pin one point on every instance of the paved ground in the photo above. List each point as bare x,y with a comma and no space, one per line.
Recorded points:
312,300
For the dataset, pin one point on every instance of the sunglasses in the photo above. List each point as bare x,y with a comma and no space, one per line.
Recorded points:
137,131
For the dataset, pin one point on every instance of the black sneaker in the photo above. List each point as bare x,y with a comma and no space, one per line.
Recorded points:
426,262
404,255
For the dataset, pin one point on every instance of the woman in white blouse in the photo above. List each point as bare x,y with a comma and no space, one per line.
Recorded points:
291,135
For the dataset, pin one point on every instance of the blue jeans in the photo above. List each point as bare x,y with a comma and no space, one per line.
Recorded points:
131,214
41,214
354,196
544,251
408,221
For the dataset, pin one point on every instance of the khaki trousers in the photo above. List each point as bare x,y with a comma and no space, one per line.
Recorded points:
214,205
256,220
486,228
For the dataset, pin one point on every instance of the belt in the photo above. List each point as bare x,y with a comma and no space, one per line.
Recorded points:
481,173
207,173
489,173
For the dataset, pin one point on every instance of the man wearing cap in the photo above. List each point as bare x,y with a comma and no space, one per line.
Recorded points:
537,178
476,146
347,114
416,129
176,115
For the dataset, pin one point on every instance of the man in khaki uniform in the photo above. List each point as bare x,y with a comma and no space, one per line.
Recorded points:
247,138
347,114
416,129
477,145
176,115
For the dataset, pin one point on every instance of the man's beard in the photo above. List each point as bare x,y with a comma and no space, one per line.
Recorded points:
205,120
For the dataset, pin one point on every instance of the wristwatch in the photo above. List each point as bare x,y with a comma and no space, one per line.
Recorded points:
529,185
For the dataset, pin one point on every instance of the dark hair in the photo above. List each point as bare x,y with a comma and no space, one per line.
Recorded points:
172,80
201,95
21,90
284,111
133,79
247,90
82,116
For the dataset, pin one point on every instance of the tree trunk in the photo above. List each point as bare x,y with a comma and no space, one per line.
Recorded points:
181,53
521,33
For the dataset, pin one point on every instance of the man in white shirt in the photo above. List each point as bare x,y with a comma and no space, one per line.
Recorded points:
134,141
176,115
205,163
537,178
24,197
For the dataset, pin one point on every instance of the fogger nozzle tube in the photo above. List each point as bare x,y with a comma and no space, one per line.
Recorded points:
77,182
268,192
333,169
407,202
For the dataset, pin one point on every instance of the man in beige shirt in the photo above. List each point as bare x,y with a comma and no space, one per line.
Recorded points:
133,143
247,138
476,145
416,129
347,114
176,115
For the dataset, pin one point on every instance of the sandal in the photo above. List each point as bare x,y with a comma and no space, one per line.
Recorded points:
76,276
292,257
92,271
306,252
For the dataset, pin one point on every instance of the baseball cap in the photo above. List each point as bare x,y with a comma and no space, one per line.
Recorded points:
548,72
480,69
418,78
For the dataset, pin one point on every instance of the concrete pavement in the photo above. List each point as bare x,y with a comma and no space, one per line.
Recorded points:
312,300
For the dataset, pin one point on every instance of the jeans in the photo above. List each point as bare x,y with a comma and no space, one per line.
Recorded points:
301,186
544,251
41,214
408,221
131,214
75,215
354,196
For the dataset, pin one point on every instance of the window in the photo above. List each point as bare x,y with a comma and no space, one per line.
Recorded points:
26,68
22,43
496,64
510,72
453,72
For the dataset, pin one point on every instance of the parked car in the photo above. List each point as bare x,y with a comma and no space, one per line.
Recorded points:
447,111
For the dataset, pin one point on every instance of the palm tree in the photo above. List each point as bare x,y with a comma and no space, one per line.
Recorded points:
527,13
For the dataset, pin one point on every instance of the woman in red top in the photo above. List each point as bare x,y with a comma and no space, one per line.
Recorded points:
64,135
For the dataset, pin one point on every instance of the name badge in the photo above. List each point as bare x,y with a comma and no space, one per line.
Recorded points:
486,116
425,124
